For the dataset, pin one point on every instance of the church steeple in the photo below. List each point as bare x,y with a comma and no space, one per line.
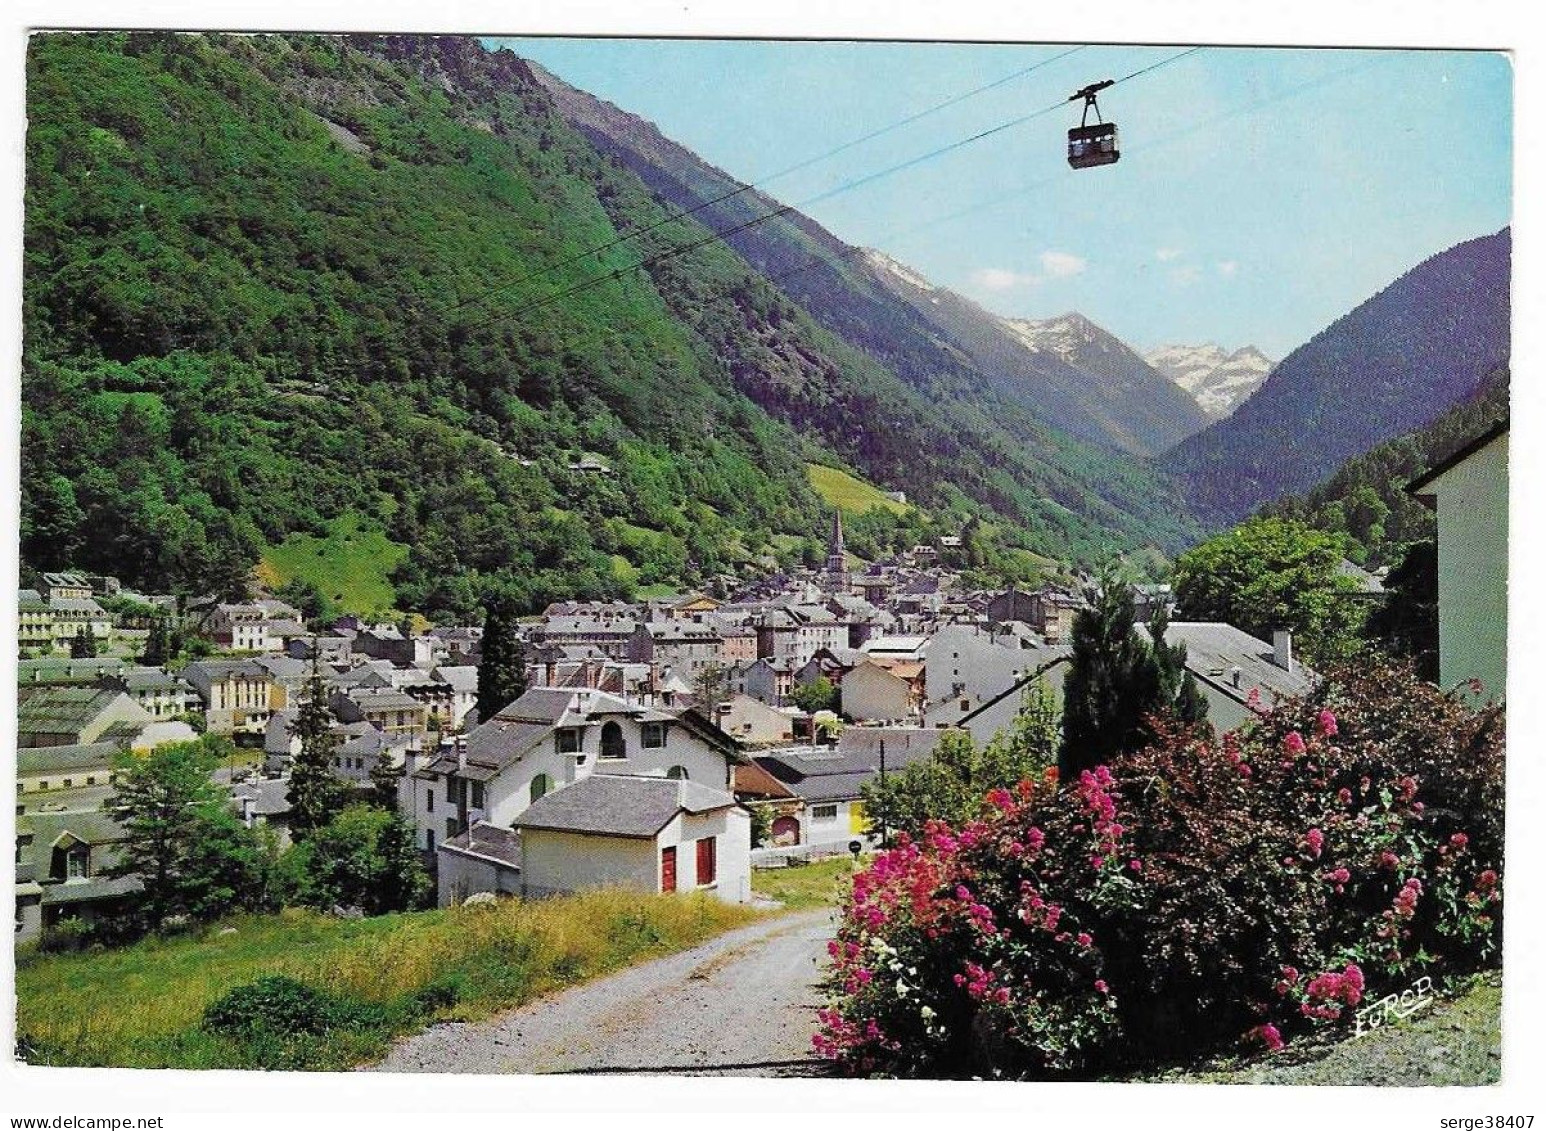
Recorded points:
837,557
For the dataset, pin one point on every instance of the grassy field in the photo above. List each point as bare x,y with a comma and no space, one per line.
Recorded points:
350,565
142,1006
803,886
847,493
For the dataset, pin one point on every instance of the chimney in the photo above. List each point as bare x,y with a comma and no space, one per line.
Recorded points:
1283,649
1234,675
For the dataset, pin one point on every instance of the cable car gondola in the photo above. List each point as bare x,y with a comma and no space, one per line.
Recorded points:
1092,145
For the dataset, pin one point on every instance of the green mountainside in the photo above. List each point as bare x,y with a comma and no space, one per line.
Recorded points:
272,282
1365,500
1427,342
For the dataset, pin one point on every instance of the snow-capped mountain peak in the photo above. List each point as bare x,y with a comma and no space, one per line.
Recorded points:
882,262
1220,380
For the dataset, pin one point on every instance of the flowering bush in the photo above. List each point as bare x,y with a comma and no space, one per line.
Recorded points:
1199,893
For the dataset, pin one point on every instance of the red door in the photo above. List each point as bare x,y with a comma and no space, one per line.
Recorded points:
668,869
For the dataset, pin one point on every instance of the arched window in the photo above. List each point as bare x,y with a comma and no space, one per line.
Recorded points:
612,743
677,773
540,785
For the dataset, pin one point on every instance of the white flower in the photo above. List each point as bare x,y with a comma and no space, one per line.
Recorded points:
926,1013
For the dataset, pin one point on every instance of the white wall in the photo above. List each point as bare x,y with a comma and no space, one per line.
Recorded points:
1472,507
732,828
848,825
553,862
460,876
870,693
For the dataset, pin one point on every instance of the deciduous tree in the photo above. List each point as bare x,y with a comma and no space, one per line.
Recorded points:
1269,574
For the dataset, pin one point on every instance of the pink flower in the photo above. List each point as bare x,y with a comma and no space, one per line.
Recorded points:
1326,723
1315,839
1083,939
1338,876
1101,987
1294,743
1267,1035
1459,841
1486,879
1389,859
1345,795
1135,865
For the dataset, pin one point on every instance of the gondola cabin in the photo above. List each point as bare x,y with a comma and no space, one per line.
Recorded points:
1090,145
1093,145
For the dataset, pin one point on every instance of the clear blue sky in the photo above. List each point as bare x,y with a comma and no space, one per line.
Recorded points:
1262,193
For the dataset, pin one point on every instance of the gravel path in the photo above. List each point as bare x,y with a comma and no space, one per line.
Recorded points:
740,1005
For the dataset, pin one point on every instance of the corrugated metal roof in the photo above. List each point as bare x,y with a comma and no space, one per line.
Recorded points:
34,760
61,710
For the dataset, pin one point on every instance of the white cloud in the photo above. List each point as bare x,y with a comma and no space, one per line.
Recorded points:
1054,265
1227,268
1166,254
1061,264
1186,276
1000,279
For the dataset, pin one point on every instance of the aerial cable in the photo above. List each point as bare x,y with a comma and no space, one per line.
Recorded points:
783,210
828,260
631,233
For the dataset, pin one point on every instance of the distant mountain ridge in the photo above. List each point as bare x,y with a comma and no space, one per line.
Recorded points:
1219,380
945,345
1425,343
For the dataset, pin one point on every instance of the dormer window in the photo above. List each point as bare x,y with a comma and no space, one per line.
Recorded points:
566,740
653,736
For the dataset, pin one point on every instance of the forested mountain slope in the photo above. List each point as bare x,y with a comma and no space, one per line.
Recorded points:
936,340
275,280
1366,498
1424,344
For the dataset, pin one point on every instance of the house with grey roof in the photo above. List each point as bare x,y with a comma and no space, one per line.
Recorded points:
650,833
394,712
74,615
238,696
63,865
34,621
50,769
550,738
164,695
1232,666
264,802
828,780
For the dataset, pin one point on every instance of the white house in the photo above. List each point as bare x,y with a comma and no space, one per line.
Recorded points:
829,780
654,834
1469,495
550,738
882,692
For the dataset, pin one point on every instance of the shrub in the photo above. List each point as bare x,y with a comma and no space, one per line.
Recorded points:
277,1004
1194,894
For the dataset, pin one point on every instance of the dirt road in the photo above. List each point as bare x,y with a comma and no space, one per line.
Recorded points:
743,1004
